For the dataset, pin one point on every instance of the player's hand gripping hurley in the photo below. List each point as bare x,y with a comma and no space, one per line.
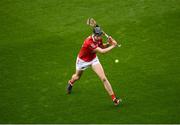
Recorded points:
91,22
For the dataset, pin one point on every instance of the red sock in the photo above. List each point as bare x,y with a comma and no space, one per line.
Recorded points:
113,97
71,82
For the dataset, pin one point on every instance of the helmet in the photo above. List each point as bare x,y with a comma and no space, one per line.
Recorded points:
97,31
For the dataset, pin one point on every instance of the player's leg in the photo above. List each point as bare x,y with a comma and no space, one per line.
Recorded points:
76,76
100,72
98,69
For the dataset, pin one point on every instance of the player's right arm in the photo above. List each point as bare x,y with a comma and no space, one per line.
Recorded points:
105,50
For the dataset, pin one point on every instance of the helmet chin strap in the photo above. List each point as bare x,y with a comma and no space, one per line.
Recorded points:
93,35
93,38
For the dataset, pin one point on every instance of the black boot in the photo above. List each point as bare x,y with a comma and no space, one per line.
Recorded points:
69,88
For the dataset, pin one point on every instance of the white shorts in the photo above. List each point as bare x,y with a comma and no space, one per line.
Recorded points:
82,65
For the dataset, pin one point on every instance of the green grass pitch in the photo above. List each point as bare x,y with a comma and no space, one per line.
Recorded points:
39,42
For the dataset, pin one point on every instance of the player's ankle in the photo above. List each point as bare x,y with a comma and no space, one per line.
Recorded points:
71,82
113,97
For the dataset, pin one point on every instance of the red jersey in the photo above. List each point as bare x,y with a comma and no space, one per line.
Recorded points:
86,53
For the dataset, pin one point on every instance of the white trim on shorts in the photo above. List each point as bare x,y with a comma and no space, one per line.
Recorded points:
82,65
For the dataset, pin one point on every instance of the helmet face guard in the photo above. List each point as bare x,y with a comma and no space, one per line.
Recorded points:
97,31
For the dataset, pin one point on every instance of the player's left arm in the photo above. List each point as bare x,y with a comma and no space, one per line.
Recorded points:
104,45
110,41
